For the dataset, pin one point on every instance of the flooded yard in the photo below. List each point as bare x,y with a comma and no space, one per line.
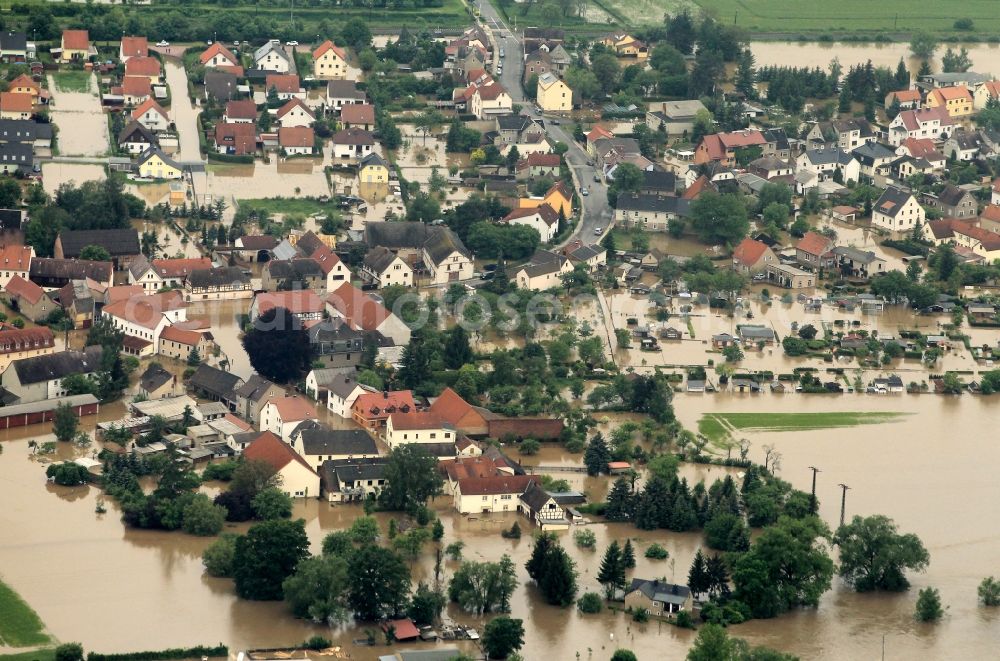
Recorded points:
56,173
83,127
279,178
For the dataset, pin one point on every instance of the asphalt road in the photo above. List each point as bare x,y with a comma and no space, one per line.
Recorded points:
595,213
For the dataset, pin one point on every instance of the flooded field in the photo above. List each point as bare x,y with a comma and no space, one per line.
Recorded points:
985,57
279,178
908,470
83,127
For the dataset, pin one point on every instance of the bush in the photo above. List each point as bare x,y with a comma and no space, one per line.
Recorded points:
684,620
929,605
989,592
222,470
316,643
67,474
530,446
657,552
513,533
69,652
585,539
964,24
218,558
173,653
640,615
590,602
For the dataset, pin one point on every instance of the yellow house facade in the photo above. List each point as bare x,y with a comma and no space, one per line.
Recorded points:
553,95
154,164
75,45
329,62
556,197
373,170
957,101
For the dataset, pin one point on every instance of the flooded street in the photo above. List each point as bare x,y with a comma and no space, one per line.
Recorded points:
182,112
83,128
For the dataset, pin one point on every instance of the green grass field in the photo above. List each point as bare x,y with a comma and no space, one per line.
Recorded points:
718,426
20,626
72,81
285,205
41,654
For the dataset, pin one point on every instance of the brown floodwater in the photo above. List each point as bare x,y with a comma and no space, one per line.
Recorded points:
817,54
183,113
83,126
910,470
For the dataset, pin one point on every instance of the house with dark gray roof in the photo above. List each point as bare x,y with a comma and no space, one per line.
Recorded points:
658,182
218,284
220,85
351,480
897,210
121,244
335,343
52,272
39,378
857,263
156,382
656,597
136,138
382,267
952,202
316,444
433,249
251,396
543,271
287,275
652,213
215,384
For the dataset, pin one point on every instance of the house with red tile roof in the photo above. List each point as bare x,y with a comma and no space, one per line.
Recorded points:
218,55
301,303
157,274
956,101
298,479
417,427
752,256
295,113
132,47
464,417
329,61
152,115
178,343
286,85
16,106
813,251
145,317
20,343
297,140
924,148
908,99
28,299
933,123
75,45
723,147
362,312
497,493
15,260
543,219
147,67
984,93
371,410
358,115
25,84
240,111
281,415
235,139
136,89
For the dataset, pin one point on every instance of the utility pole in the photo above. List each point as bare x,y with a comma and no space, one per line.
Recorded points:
812,503
843,501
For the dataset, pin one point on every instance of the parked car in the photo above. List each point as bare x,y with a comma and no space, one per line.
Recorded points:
598,230
291,43
487,275
597,178
162,43
555,121
585,191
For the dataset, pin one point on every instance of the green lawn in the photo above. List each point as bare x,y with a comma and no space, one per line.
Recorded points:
20,626
41,654
285,205
717,426
72,81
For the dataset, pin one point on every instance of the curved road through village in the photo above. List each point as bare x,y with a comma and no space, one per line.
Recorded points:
595,212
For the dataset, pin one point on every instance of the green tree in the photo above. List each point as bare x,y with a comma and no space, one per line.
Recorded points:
202,517
69,652
484,587
552,570
412,477
929,607
64,423
502,637
989,592
95,253
623,338
873,556
266,556
457,351
379,583
785,568
605,67
318,589
714,644
597,456
218,558
923,44
278,346
426,605
624,655
719,219
612,572
423,207
271,503
727,532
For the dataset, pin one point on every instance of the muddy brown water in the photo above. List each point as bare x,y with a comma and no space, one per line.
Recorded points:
815,54
931,471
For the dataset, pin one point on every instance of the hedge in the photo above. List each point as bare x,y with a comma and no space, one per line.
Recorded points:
173,653
230,158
